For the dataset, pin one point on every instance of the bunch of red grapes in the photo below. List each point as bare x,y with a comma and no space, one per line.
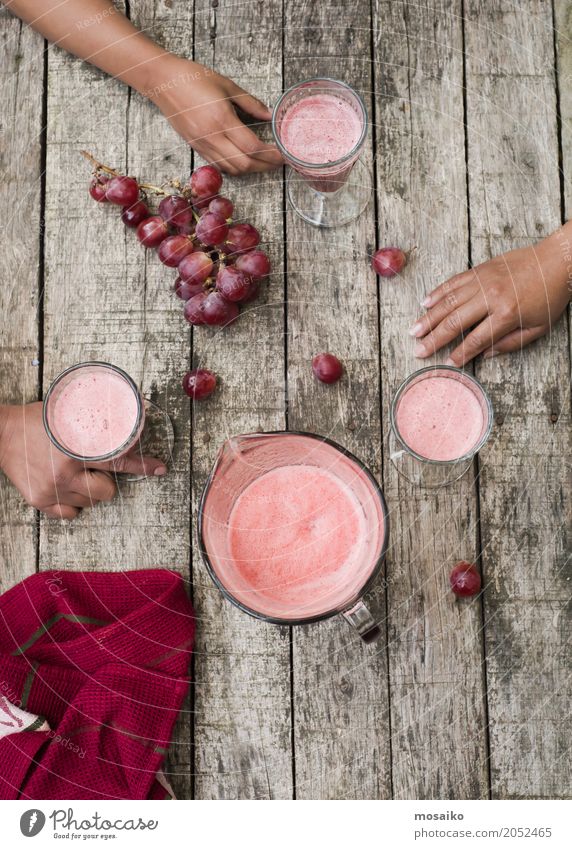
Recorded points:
218,261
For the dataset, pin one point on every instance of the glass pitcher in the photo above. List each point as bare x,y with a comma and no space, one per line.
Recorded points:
329,483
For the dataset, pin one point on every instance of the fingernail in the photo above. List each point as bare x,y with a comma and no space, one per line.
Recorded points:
420,350
160,470
489,354
415,330
450,362
426,302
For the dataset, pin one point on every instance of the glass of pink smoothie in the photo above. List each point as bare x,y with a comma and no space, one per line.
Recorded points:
94,412
294,529
440,418
320,126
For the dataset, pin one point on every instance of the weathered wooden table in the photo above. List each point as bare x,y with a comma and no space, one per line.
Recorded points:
471,151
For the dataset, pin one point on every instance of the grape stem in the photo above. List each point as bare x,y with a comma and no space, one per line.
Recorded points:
99,166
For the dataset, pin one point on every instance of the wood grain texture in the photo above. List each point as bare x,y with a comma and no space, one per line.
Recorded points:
21,82
107,299
525,495
242,720
563,44
341,718
435,645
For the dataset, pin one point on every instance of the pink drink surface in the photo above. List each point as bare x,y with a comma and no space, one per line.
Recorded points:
320,128
94,414
440,418
298,539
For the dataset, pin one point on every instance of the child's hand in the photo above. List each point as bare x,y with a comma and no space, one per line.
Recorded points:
510,300
199,104
50,481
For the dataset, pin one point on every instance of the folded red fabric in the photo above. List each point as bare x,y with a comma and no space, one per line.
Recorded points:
103,658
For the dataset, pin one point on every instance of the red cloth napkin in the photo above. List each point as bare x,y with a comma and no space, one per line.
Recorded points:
103,659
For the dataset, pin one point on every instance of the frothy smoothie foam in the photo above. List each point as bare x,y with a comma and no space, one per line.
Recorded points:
94,413
440,418
297,536
320,128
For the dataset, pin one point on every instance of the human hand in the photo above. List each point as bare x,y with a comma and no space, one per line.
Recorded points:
199,105
49,480
510,300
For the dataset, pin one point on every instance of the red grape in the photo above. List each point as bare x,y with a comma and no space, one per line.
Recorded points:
327,368
464,579
241,237
185,291
186,222
199,384
194,308
205,182
253,294
211,229
123,191
233,284
152,231
387,262
97,188
173,249
196,267
174,208
222,206
132,216
217,310
254,263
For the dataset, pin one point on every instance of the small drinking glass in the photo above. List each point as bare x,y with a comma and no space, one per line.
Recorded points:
150,432
245,459
326,194
431,462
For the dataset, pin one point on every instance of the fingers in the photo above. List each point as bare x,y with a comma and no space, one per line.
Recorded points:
136,464
453,324
61,511
515,341
250,145
450,285
440,311
249,104
484,336
93,486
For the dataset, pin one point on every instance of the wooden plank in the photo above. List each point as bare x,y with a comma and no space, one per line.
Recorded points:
563,44
242,721
342,744
437,702
21,84
525,494
107,299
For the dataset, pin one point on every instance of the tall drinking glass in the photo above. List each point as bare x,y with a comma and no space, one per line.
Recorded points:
320,126
94,412
440,418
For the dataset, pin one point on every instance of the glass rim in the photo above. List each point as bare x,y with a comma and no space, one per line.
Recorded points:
110,454
315,166
478,445
308,620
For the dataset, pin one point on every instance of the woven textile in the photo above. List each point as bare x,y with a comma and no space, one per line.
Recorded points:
102,659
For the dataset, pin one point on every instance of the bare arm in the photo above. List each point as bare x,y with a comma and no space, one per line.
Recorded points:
196,101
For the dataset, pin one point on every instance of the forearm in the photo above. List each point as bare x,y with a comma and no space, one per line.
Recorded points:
4,415
94,31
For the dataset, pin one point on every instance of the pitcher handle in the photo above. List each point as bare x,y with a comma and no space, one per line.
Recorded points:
361,619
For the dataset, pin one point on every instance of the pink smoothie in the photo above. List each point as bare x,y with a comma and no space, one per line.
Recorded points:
299,542
320,128
95,413
440,418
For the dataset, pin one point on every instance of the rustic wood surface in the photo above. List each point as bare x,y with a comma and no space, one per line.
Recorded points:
471,119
